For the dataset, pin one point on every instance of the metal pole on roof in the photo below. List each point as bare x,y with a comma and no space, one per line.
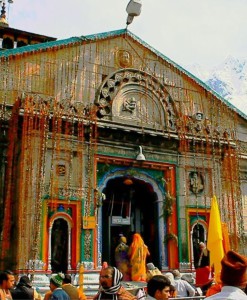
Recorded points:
134,10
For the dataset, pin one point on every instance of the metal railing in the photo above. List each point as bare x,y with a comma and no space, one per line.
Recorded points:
188,298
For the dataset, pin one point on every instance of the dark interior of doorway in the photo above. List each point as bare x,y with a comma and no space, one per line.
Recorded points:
59,246
129,196
198,236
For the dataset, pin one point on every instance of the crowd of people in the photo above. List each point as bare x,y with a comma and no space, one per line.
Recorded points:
61,288
230,284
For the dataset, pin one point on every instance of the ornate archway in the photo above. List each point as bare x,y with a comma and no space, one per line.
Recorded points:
59,252
198,234
132,204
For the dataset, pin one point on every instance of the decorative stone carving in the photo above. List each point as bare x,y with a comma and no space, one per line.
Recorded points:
137,98
35,264
5,113
50,105
196,182
198,116
200,125
60,170
124,58
72,192
129,104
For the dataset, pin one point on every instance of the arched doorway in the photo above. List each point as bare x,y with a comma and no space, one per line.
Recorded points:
130,206
59,246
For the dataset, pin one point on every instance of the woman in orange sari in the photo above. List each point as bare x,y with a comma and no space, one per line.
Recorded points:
138,253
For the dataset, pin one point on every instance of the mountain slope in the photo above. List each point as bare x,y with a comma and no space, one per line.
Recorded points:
229,79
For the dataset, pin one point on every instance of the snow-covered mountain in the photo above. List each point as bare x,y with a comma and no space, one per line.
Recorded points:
228,79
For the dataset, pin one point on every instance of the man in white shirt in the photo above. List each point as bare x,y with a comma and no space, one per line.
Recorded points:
183,288
233,277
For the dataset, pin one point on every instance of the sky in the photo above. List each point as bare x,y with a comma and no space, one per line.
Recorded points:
186,31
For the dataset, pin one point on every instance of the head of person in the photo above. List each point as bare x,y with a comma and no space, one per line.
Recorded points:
137,243
202,246
170,276
25,281
176,274
195,175
151,271
137,238
7,280
56,281
66,279
110,277
159,287
150,266
233,271
122,239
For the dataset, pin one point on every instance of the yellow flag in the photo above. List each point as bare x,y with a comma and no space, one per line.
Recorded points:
215,237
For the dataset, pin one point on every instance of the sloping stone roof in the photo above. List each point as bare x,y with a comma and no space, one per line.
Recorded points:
59,44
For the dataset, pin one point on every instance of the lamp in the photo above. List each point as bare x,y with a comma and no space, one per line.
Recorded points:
133,9
128,181
140,156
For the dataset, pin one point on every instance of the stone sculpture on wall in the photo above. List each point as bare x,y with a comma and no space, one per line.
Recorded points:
196,182
123,58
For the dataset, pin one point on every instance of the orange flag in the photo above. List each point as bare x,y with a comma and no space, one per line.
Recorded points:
215,237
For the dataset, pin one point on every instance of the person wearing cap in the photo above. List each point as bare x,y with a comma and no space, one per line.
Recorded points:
233,277
159,287
152,271
58,293
110,286
24,290
183,288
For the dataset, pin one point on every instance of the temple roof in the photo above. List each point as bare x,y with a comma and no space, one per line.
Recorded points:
107,35
25,34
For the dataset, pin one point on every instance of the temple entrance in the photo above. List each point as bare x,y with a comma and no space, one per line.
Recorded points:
59,246
198,235
130,206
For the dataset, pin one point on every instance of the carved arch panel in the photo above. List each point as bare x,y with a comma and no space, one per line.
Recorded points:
134,97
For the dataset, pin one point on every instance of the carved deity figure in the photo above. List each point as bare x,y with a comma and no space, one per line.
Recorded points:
129,104
124,59
196,182
199,116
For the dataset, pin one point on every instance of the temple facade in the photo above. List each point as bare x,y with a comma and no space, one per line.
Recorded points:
102,135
